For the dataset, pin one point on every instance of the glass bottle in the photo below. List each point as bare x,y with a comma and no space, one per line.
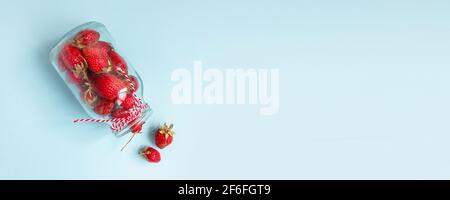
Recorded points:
101,78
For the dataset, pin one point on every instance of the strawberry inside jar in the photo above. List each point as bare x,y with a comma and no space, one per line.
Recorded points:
100,77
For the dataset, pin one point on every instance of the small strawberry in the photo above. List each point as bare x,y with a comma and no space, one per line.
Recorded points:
118,63
164,136
108,86
137,128
151,154
86,37
87,94
135,82
104,46
97,56
74,78
120,113
128,102
104,107
61,64
72,58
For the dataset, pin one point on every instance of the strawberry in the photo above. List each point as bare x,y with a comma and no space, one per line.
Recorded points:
86,37
137,128
104,107
74,78
128,102
61,64
135,82
88,97
97,56
164,136
87,94
108,86
151,154
72,57
118,63
120,113
104,46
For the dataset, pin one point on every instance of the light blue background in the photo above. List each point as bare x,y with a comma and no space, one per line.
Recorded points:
364,90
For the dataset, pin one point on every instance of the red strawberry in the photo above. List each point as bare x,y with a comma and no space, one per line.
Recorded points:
104,107
86,37
97,56
74,78
88,97
108,86
87,94
120,113
128,102
137,128
104,46
72,57
164,136
61,64
119,64
135,82
151,154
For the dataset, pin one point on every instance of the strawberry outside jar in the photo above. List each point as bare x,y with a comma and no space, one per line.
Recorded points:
101,78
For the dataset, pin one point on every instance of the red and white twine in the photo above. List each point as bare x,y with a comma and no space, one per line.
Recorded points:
119,123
